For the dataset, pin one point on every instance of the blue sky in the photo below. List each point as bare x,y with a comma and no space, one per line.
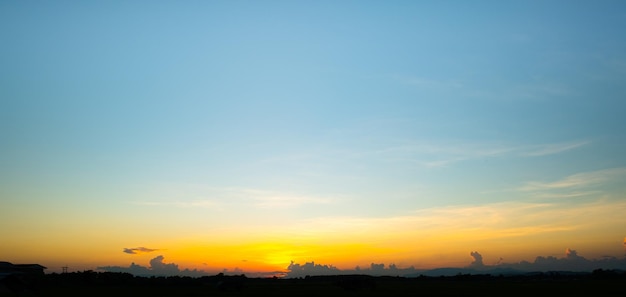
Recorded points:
225,114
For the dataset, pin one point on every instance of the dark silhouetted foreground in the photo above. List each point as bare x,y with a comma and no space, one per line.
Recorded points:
90,283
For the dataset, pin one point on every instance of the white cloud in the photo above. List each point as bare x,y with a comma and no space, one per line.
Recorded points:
576,181
181,204
550,149
185,196
567,195
470,223
273,201
443,155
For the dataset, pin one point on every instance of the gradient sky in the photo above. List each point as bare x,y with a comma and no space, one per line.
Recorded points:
246,134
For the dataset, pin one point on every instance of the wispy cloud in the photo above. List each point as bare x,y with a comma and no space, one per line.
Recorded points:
428,153
576,181
541,89
182,204
274,201
550,149
443,155
537,90
139,250
466,225
230,197
567,195
278,199
291,158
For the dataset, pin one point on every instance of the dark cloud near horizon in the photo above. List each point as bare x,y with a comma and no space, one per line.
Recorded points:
157,267
139,250
310,268
375,269
163,268
571,261
572,255
478,260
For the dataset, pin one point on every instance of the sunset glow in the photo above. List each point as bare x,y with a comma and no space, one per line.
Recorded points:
199,137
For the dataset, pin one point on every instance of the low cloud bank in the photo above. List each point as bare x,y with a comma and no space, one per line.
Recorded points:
376,269
571,261
157,267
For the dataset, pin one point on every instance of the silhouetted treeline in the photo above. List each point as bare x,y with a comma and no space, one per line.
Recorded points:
120,278
90,277
91,283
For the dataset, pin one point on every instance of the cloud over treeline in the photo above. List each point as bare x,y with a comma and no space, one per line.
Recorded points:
377,269
139,250
571,261
157,267
310,268
478,260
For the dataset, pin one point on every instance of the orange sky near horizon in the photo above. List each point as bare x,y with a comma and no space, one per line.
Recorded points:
451,234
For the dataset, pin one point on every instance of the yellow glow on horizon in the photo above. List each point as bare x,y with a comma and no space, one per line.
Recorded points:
276,255
427,238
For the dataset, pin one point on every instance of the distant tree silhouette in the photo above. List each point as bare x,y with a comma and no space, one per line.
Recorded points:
230,282
355,282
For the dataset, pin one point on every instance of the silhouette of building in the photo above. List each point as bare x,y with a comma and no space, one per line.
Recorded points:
7,268
20,278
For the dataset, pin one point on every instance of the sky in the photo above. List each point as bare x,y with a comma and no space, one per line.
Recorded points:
244,135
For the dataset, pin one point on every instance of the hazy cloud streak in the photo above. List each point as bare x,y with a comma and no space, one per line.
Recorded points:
442,155
139,250
451,228
229,198
578,180
550,149
181,204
